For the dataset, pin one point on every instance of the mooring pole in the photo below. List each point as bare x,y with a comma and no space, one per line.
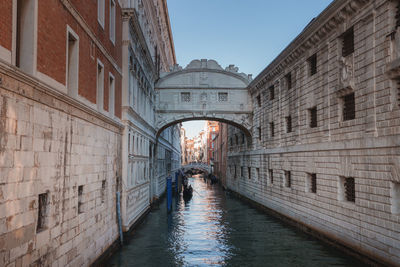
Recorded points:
169,193
121,237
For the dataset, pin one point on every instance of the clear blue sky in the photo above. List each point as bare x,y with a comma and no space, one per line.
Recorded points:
247,33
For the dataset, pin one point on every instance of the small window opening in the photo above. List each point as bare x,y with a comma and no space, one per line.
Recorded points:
395,197
288,179
312,63
42,212
312,182
80,199
249,171
271,175
288,124
259,100
313,117
349,109
103,191
272,129
271,92
348,42
288,78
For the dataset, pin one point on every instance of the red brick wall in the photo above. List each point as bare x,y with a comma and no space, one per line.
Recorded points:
53,19
6,24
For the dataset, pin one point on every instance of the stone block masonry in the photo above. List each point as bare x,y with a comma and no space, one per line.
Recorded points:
59,167
325,146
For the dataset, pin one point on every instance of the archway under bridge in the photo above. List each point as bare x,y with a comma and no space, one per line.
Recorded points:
203,90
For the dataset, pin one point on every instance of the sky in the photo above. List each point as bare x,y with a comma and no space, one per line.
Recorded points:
247,33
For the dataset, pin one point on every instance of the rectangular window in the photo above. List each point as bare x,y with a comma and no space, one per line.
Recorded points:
272,129
313,117
271,176
42,212
80,199
235,172
258,173
100,85
349,107
112,21
72,63
100,12
271,92
312,64
259,133
103,191
249,171
185,97
288,124
241,171
258,100
312,183
25,35
348,42
347,189
288,78
395,197
288,179
222,97
111,95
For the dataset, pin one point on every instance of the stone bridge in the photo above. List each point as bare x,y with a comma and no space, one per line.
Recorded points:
197,165
204,91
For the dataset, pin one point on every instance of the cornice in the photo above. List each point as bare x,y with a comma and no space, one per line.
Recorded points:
335,14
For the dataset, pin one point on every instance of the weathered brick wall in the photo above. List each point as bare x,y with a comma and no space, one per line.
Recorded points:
365,148
48,145
6,24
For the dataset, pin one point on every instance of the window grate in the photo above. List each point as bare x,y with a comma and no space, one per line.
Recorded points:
312,61
271,92
349,109
348,42
271,175
288,124
313,183
272,129
288,78
349,186
313,117
42,210
222,97
185,97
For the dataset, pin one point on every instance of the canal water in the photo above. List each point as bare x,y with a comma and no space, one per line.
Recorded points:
215,228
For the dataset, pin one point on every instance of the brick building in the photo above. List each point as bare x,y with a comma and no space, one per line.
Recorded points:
324,150
212,128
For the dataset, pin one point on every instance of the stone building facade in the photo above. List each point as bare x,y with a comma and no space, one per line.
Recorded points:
220,153
325,138
147,50
60,130
65,131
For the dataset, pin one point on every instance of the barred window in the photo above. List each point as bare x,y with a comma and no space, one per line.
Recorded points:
272,129
348,42
258,100
271,92
288,124
288,78
349,187
185,97
271,175
312,63
313,117
42,212
349,109
288,179
222,97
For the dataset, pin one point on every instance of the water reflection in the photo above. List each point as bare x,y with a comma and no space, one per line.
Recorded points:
216,229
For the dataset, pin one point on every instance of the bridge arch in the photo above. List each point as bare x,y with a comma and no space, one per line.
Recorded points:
203,90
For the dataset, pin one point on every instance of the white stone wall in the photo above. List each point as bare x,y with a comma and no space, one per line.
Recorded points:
365,148
49,146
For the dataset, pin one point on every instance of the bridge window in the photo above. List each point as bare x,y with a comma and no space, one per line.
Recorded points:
288,179
271,92
348,42
288,78
313,117
185,97
349,109
312,64
289,124
222,97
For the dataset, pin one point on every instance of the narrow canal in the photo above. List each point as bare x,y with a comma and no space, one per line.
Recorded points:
214,228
